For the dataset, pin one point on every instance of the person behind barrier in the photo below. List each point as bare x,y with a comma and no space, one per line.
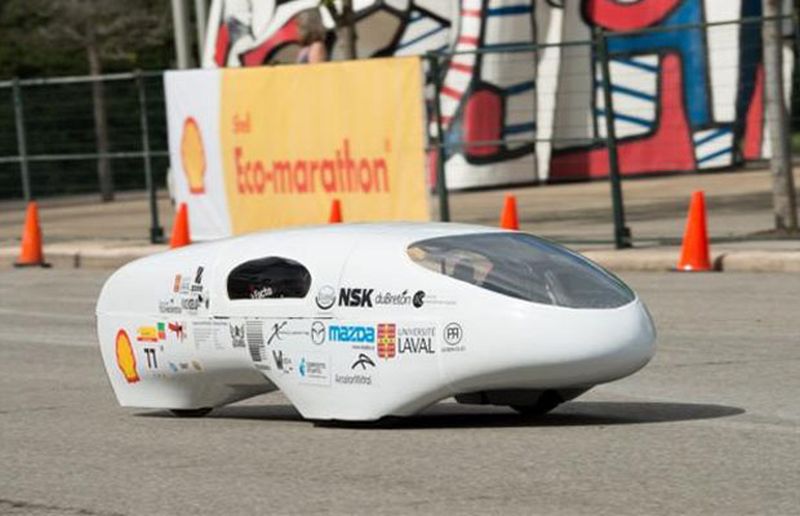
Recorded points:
312,37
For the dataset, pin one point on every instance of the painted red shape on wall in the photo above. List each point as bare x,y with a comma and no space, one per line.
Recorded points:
483,121
754,122
432,163
259,55
669,148
613,15
221,48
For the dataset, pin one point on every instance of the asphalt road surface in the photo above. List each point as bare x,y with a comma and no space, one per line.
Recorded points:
712,425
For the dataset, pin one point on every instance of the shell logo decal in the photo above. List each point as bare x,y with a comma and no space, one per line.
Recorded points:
193,156
126,360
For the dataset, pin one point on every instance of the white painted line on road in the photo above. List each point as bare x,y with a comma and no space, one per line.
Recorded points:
48,341
48,315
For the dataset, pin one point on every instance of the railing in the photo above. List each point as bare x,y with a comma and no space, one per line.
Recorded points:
658,108
50,143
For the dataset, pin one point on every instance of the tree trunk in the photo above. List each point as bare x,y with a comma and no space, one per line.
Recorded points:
783,192
104,176
347,31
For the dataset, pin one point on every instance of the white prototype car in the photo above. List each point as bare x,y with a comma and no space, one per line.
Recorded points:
356,322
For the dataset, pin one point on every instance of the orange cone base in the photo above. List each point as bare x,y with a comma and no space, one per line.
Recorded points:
43,265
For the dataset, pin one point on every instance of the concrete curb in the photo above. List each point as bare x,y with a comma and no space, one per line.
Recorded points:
665,259
89,255
112,255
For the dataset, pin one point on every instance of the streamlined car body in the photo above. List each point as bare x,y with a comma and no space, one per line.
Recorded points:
356,322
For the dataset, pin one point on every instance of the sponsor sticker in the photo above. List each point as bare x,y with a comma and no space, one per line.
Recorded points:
452,335
178,329
369,298
314,369
126,359
254,336
210,334
387,340
237,335
360,372
318,332
397,339
169,307
416,340
356,297
188,294
152,361
326,297
283,362
359,335
150,333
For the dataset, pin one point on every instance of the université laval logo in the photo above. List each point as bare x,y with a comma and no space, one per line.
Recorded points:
387,340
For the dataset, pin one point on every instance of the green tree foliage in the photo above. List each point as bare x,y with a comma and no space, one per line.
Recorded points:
29,47
43,38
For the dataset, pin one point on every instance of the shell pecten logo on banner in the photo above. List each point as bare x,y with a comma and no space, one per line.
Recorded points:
294,138
193,156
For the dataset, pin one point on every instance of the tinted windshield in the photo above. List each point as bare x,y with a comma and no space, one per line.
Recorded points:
523,266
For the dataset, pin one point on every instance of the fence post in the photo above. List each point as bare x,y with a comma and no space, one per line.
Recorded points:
22,145
622,234
441,151
156,231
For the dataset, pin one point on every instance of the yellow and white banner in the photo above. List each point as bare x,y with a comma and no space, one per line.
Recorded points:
257,148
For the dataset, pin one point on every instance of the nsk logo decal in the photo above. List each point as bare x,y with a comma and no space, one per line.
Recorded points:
367,298
354,333
356,297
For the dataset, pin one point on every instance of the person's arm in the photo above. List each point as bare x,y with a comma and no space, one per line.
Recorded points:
317,53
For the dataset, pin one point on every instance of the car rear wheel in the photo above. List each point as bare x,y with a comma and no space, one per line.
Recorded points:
197,412
546,402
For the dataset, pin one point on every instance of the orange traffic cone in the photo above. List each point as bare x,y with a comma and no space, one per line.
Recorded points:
30,253
508,219
180,229
336,212
695,252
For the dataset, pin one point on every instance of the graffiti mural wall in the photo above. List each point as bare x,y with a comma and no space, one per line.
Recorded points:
683,99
